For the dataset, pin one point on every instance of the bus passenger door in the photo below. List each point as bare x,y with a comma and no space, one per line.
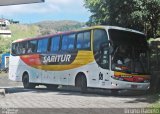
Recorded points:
94,78
103,78
101,55
104,67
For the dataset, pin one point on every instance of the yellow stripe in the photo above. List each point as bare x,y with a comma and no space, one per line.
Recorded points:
83,58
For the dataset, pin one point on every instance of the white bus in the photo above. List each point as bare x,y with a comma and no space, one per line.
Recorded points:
105,57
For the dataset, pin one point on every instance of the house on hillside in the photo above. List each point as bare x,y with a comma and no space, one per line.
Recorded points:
4,22
4,29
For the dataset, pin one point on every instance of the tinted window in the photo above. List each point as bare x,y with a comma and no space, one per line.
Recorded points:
100,38
64,43
71,40
15,48
101,52
32,46
42,45
83,40
22,48
55,43
68,42
79,40
86,39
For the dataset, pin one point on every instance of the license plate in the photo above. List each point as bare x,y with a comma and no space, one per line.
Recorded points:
133,86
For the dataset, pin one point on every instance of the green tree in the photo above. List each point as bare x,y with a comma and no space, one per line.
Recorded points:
99,11
142,15
153,14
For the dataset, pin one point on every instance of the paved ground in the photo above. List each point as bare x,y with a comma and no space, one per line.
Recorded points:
5,82
67,100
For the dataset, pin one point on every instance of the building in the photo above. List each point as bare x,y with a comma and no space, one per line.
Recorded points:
4,22
5,32
4,60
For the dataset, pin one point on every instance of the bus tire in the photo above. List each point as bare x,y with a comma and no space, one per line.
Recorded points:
26,83
6,70
83,86
52,87
81,82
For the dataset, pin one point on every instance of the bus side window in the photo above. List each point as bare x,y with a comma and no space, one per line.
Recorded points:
42,45
55,43
100,47
79,40
32,46
14,49
17,50
64,42
22,47
68,42
83,40
86,40
71,40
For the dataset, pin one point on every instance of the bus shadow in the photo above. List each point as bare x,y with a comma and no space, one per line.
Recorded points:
137,96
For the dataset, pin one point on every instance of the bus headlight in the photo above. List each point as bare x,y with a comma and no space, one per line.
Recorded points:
146,81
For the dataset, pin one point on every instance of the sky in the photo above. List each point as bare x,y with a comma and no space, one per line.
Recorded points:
49,10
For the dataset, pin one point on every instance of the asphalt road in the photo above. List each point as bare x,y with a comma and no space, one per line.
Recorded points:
68,100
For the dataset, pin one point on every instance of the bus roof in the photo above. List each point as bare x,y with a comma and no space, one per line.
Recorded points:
125,29
82,29
41,37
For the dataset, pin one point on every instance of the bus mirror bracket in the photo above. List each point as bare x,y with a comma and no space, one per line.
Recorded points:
111,50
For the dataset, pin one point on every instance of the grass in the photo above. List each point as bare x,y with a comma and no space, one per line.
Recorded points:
24,31
156,100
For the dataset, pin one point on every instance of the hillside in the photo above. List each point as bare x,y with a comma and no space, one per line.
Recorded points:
23,31
20,31
47,27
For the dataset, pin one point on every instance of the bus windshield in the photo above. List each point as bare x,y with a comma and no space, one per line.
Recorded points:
129,52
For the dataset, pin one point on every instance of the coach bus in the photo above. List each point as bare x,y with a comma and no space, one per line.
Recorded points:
105,57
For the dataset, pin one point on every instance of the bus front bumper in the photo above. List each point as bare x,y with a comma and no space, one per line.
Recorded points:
117,84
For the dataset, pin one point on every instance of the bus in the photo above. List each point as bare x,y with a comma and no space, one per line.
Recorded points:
106,57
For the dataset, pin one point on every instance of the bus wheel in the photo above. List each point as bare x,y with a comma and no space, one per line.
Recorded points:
51,87
6,70
83,84
26,82
114,92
